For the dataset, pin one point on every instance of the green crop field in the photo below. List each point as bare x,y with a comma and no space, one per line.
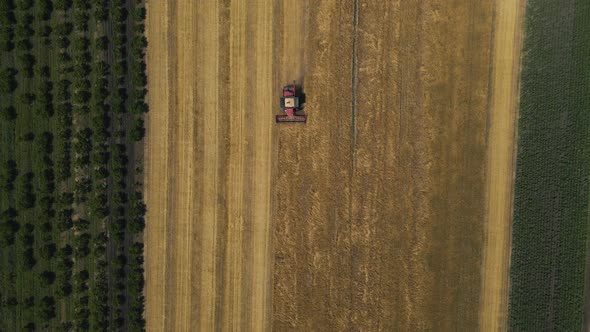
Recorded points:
72,88
550,227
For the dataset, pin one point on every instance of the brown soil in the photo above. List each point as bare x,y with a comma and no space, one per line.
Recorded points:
500,164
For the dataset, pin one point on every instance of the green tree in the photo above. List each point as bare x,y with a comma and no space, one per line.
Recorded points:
62,4
81,245
8,113
30,327
23,45
27,137
7,80
48,277
48,251
64,287
65,225
63,43
102,43
137,225
26,62
8,174
66,198
45,31
45,143
47,308
44,9
65,251
46,204
63,29
139,14
82,224
29,258
25,193
101,13
6,38
24,4
137,131
8,229
27,98
29,302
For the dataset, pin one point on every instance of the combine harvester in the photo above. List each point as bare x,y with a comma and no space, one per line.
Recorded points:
291,106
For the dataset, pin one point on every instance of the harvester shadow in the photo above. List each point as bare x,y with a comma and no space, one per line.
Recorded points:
301,94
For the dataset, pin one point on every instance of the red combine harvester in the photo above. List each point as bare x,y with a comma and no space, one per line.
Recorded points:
290,105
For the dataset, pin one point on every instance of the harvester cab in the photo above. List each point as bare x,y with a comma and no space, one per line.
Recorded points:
290,105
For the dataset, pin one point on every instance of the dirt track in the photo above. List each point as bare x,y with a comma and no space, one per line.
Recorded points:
209,165
500,164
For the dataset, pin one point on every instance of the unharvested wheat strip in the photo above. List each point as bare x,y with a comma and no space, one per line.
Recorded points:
208,37
500,164
235,186
156,181
185,94
262,170
292,43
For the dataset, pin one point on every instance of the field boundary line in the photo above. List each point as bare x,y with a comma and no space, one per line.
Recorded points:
501,148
